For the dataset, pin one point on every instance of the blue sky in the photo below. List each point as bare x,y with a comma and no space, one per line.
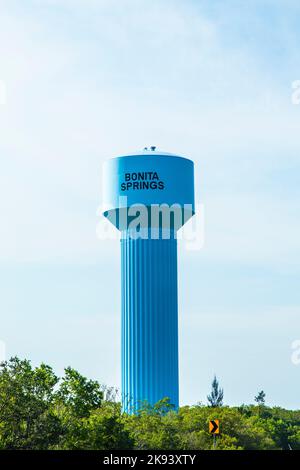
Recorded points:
86,80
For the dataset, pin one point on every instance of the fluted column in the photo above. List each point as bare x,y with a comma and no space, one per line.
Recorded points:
149,321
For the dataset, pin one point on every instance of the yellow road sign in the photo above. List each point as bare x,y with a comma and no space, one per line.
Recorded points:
214,426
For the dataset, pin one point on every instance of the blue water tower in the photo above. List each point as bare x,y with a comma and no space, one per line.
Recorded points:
148,196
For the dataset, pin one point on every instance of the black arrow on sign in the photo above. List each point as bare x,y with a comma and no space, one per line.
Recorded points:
215,427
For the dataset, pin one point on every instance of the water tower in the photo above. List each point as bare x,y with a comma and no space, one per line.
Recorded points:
148,196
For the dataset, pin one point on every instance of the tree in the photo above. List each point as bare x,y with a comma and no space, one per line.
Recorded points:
154,426
215,398
41,411
103,429
260,398
26,418
37,409
79,394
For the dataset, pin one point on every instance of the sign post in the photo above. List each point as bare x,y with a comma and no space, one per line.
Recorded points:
214,429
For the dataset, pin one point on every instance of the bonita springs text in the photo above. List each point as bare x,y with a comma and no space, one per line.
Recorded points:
142,180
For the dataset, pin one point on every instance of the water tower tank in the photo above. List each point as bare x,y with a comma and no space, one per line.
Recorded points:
148,196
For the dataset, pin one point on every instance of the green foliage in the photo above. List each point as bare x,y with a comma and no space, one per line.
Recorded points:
79,394
102,429
260,398
237,431
27,420
40,411
217,394
154,427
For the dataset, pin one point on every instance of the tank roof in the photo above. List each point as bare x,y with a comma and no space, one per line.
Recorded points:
152,153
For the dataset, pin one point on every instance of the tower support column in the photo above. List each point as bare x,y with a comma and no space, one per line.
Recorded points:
149,321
